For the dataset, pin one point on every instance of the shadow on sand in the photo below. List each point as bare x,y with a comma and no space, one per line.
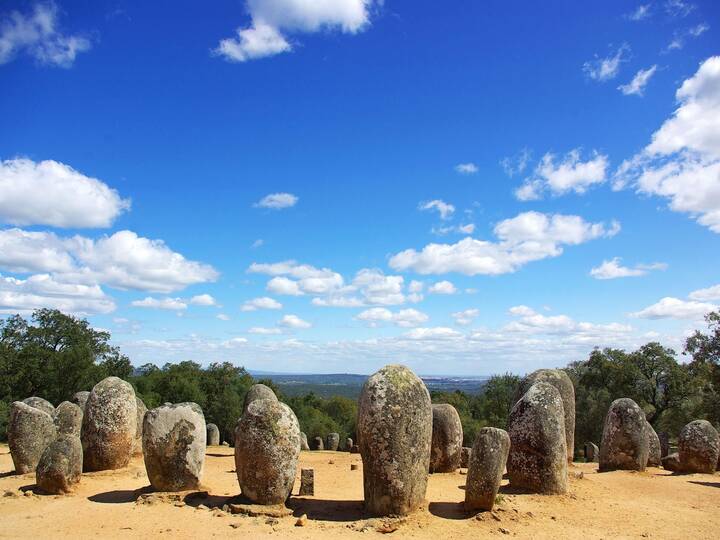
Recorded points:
119,496
450,510
707,484
328,510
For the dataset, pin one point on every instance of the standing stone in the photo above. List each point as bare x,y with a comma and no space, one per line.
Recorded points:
109,425
394,428
465,456
332,442
307,482
68,419
671,462
538,456
60,466
213,435
447,438
30,431
592,452
560,380
699,447
40,403
348,444
355,449
80,399
654,451
303,441
267,447
485,469
664,443
141,410
624,444
318,444
258,391
173,444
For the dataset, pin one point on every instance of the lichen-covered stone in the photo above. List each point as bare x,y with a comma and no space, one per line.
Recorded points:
30,430
258,391
60,466
664,443
213,435
671,462
332,442
485,468
624,444
173,443
394,429
538,455
267,447
654,450
40,403
348,444
141,410
562,382
465,456
80,399
318,443
698,447
304,441
592,452
109,425
68,419
447,438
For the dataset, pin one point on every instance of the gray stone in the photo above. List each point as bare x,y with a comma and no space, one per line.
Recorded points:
654,450
671,462
141,410
258,391
307,482
485,469
173,443
664,443
624,444
68,419
318,443
562,382
40,403
348,444
394,429
267,447
109,425
699,447
447,438
538,455
592,452
465,456
60,466
213,435
304,441
332,442
80,399
30,430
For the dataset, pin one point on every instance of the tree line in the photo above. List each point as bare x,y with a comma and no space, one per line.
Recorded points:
54,355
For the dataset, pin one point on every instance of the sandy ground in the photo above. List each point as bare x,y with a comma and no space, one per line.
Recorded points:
653,504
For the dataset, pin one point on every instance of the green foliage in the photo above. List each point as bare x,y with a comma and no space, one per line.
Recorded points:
319,416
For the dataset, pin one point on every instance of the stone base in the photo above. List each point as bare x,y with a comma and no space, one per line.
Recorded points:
274,510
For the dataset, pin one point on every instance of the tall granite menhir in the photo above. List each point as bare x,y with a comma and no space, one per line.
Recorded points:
394,430
624,444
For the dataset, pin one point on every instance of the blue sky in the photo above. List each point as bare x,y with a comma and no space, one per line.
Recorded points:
296,186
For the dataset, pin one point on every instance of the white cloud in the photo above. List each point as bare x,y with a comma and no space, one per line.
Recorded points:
466,168
459,229
527,237
52,193
604,69
678,8
674,308
516,164
284,286
406,318
260,330
530,322
612,269
203,300
222,317
636,87
172,304
682,162
271,19
679,36
445,210
704,295
257,243
442,287
640,13
466,317
432,334
264,302
37,35
277,201
293,321
570,174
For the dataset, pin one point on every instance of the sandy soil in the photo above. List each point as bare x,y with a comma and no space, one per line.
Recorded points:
653,504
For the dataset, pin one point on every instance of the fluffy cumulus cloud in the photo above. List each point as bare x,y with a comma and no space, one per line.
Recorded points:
465,317
273,20
466,168
277,201
636,87
293,321
454,229
613,269
675,308
442,287
682,162
445,210
528,237
707,294
52,193
563,176
37,34
406,318
203,300
171,304
264,302
529,321
604,69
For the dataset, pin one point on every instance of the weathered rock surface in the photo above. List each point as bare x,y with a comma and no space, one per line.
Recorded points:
654,450
40,403
332,442
141,410
80,399
267,447
447,438
60,466
348,444
307,482
109,425
68,419
664,443
624,444
671,462
394,429
465,456
699,447
318,443
30,430
258,391
485,468
592,452
538,454
213,435
173,443
562,382
304,441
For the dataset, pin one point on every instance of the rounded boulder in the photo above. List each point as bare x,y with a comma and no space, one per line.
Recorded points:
654,449
258,391
80,399
213,435
624,444
447,438
332,442
304,441
40,403
318,443
698,447
485,468
60,466
68,419
30,431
